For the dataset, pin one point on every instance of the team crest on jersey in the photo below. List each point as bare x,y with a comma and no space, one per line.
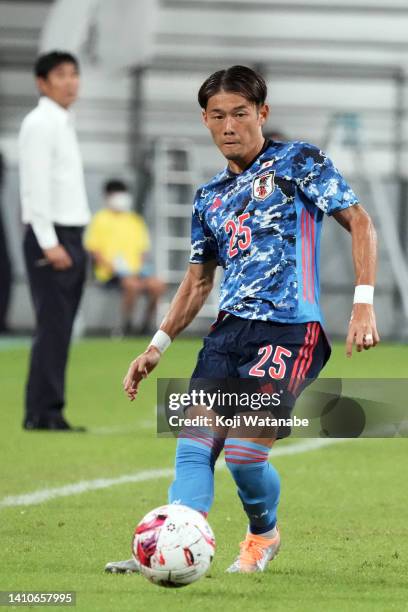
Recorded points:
263,186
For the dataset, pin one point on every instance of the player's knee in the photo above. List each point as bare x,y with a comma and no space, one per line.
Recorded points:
194,447
241,452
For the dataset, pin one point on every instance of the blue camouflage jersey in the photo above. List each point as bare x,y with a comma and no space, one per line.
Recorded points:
263,227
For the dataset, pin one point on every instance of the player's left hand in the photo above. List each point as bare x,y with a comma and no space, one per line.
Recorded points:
362,329
140,368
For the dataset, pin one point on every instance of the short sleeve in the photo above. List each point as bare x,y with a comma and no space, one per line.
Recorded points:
318,178
203,243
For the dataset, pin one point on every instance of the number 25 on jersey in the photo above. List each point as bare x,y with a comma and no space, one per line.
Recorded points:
238,229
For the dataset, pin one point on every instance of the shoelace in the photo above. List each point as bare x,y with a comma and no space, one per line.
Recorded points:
250,552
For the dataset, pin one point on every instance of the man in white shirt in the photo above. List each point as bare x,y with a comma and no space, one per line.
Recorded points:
55,211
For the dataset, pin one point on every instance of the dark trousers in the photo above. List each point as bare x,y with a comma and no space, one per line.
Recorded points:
56,296
5,277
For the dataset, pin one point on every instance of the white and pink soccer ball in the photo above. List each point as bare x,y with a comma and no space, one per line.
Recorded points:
174,545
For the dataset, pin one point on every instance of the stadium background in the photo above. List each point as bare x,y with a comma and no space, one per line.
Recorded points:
68,503
337,77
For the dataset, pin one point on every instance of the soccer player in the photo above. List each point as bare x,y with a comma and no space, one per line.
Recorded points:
260,219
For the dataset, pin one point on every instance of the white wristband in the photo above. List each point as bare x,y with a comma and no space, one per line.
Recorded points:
364,294
161,341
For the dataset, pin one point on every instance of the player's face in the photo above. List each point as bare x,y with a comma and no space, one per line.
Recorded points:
61,84
236,127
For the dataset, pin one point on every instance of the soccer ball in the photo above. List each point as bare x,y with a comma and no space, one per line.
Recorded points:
174,545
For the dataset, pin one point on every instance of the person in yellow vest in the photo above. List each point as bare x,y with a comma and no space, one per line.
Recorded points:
118,241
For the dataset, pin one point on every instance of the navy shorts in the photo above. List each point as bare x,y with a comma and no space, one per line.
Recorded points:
265,356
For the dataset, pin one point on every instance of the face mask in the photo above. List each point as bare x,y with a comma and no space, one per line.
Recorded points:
120,201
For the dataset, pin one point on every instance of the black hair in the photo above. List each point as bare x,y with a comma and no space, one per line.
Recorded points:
237,79
114,185
48,61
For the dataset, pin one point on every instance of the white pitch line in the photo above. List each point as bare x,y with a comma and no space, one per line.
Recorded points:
309,444
122,429
83,486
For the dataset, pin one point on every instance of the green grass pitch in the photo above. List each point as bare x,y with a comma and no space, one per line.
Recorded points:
343,514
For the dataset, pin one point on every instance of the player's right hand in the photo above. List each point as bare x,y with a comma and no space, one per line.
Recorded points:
140,368
362,329
58,257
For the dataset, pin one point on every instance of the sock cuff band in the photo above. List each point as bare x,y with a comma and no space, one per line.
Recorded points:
246,445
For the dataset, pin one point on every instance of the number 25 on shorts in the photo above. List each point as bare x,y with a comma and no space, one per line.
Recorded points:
266,353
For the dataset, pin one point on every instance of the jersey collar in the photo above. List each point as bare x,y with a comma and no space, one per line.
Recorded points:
266,144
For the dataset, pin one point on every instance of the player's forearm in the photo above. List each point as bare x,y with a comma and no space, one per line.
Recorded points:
362,327
186,304
364,249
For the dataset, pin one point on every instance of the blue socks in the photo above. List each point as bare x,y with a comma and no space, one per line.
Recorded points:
193,486
257,481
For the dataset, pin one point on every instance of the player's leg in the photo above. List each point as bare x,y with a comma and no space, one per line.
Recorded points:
258,485
198,449
286,360
193,485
